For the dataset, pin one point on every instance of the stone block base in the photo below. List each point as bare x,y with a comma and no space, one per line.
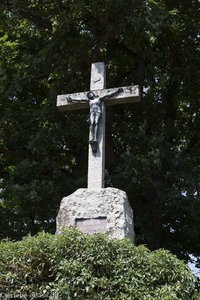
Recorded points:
97,210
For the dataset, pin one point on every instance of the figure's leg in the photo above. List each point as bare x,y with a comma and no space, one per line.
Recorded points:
91,134
96,127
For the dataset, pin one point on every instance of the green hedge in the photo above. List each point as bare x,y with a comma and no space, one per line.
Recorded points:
78,266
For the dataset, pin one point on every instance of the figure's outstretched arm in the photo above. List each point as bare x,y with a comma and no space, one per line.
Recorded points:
118,91
73,100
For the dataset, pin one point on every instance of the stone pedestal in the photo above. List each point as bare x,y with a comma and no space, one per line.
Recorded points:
97,210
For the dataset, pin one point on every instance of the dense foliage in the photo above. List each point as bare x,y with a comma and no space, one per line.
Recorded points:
78,266
46,48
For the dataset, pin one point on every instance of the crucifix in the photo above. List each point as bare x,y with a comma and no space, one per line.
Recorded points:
97,99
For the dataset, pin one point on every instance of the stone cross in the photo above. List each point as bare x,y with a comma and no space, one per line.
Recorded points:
96,159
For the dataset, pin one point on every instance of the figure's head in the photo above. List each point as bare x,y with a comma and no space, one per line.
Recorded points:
90,95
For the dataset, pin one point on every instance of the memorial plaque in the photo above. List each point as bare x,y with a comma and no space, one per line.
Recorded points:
92,225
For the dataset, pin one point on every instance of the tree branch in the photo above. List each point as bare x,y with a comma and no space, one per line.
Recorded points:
26,14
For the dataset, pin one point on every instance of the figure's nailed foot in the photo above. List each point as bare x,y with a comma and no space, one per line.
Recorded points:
94,146
91,141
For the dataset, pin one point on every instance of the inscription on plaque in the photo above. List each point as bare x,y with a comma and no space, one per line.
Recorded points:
92,225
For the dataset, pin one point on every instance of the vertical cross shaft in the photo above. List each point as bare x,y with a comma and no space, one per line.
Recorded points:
96,162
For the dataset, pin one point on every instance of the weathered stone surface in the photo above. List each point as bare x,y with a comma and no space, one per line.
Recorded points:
97,210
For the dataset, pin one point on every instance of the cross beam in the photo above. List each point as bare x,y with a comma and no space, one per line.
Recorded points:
96,161
130,94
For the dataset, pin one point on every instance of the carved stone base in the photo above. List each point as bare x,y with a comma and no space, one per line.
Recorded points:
97,210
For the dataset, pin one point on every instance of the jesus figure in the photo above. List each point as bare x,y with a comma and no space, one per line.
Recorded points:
95,103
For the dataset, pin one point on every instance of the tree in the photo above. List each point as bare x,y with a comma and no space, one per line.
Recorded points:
153,153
